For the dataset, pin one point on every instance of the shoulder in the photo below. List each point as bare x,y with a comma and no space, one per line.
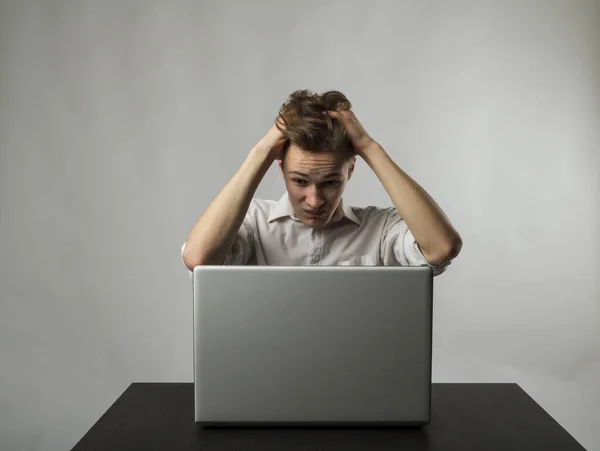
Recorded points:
375,214
260,208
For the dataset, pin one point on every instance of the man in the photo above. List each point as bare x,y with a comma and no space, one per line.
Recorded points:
316,138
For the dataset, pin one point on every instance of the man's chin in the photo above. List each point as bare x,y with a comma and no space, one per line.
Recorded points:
315,223
320,222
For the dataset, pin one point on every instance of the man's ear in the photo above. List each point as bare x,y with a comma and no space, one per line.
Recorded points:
280,165
351,168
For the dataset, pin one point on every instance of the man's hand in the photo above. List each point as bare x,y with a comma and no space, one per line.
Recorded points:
274,139
359,137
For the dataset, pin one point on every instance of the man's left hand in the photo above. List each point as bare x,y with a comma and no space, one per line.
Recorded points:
359,137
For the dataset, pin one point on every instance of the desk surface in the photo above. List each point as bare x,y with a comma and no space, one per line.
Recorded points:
465,417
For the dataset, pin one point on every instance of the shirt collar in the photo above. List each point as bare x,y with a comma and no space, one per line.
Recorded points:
283,208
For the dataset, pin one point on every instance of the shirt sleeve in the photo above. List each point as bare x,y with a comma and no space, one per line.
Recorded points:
242,248
399,247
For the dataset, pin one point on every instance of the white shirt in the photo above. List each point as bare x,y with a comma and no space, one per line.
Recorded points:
272,235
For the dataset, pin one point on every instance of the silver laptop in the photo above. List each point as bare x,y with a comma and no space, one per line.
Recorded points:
312,346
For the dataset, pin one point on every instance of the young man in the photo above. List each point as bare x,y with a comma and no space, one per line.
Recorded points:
316,139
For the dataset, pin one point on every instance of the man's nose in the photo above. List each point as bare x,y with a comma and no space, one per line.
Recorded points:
313,198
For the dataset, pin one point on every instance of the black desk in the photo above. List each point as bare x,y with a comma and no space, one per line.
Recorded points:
465,417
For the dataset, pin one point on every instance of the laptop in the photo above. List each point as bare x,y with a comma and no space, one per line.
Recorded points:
312,345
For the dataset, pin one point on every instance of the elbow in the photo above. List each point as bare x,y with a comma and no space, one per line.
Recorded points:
448,252
190,263
191,260
455,247
452,249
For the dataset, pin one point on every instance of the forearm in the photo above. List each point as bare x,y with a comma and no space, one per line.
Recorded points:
430,226
213,234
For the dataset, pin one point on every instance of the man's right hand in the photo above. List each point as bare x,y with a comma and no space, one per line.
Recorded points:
274,140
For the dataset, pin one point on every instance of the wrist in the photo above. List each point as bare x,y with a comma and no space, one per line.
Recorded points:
371,150
262,151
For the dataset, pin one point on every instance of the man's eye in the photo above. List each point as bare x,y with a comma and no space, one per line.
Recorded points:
299,181
332,183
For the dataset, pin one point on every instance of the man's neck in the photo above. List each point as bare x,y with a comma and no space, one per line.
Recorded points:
338,215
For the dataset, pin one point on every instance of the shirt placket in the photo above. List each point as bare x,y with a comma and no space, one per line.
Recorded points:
317,247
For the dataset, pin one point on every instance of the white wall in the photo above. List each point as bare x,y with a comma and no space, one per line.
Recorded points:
119,122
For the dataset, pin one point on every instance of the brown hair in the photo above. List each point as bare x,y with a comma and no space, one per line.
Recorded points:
307,124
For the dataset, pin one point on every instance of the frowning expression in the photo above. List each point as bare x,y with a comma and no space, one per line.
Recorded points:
315,183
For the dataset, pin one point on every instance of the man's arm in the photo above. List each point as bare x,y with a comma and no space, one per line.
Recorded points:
214,233
437,238
433,232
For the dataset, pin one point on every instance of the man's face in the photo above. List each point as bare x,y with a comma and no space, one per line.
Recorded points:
315,182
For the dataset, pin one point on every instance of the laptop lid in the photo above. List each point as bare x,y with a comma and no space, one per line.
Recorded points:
312,345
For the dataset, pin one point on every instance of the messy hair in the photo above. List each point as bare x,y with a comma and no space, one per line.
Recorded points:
307,124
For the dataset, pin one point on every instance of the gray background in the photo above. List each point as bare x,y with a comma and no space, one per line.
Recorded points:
120,121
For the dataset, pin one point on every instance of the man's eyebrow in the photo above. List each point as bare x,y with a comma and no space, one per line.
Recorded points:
331,174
